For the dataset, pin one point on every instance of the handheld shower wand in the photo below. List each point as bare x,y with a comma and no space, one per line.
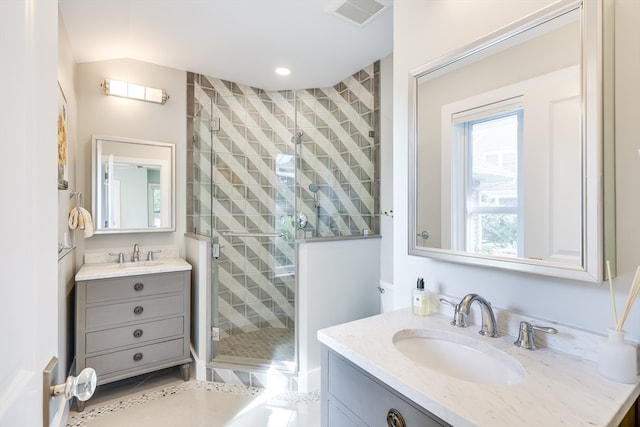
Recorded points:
314,189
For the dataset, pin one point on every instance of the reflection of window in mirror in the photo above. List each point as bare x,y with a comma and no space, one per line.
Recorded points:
489,142
537,217
154,205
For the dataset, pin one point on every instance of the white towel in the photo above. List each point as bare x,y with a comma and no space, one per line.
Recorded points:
87,222
73,219
81,219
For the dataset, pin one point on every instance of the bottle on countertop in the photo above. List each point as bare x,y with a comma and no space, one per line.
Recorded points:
420,299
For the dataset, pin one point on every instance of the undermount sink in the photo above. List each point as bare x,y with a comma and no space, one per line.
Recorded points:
140,264
130,265
459,356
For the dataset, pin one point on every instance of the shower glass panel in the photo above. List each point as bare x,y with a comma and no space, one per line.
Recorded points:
261,162
243,141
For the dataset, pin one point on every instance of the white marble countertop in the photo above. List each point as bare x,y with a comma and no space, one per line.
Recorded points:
559,390
104,270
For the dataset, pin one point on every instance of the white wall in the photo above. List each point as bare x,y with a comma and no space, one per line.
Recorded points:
426,30
198,254
112,116
337,282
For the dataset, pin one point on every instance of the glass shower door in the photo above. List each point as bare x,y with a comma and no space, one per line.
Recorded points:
252,177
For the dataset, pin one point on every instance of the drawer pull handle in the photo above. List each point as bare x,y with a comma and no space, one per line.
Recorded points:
137,333
138,287
394,419
137,357
138,309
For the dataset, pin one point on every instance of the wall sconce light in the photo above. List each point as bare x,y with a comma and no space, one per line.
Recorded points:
134,91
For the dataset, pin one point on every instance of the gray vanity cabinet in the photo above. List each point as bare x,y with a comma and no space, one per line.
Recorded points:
353,398
130,325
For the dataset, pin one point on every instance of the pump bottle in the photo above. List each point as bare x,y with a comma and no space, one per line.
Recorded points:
420,299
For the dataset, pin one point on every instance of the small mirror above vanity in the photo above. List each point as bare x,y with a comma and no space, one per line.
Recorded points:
506,148
133,185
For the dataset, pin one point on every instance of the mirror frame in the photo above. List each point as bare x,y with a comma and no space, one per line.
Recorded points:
95,182
592,268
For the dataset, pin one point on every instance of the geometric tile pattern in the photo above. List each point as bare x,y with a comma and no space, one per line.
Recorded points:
248,173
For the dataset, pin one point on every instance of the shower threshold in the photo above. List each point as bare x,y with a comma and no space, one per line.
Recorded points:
275,376
266,347
233,362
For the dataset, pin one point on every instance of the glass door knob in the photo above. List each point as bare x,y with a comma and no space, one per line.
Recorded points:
80,387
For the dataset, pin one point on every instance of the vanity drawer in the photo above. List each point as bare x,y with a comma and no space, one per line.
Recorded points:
134,334
366,400
131,311
136,357
133,286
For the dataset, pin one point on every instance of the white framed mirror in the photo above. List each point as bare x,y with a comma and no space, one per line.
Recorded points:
133,185
506,148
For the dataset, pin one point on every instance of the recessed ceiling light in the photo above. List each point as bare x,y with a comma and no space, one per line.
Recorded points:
283,71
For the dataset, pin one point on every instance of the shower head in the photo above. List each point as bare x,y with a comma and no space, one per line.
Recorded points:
314,189
297,138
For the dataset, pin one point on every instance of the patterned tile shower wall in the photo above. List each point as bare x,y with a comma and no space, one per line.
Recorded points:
242,177
338,154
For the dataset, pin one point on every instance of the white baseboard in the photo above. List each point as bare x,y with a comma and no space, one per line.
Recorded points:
309,381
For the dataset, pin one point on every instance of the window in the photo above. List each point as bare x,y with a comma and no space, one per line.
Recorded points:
489,146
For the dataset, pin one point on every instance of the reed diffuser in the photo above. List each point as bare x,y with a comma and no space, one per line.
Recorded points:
617,358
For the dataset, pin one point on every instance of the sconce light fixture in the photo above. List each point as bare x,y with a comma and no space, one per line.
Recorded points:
134,91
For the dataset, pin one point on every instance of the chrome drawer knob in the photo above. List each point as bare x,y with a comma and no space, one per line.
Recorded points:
138,309
137,333
137,357
394,419
138,287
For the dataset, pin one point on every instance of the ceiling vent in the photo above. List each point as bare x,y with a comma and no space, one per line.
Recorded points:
359,12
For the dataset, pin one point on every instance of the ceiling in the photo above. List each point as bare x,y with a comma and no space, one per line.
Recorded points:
238,40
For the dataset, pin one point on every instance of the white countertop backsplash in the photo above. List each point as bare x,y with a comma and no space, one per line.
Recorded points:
568,340
102,255
562,386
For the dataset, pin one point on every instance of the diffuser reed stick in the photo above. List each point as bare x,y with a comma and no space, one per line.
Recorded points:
633,293
613,300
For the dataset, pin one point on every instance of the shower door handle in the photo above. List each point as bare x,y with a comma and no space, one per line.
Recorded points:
236,234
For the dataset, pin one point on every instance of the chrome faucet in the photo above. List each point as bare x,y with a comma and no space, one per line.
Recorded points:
488,318
136,253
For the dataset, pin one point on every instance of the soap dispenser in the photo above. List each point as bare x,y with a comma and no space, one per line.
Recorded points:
420,299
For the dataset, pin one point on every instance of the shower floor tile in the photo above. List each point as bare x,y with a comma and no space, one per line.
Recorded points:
276,344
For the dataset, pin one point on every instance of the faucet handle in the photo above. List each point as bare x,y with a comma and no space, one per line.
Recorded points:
119,255
150,254
459,318
526,334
